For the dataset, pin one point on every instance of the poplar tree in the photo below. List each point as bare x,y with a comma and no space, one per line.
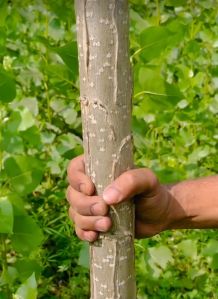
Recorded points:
105,94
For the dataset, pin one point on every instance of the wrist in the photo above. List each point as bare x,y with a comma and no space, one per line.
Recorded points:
181,212
193,204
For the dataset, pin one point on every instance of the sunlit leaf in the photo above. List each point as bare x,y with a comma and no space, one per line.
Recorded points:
211,248
188,248
27,120
161,255
28,290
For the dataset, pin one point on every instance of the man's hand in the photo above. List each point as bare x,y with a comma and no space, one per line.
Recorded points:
90,212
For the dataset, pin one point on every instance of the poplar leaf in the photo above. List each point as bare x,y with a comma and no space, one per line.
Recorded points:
6,216
161,256
7,87
160,94
27,120
27,234
28,290
24,172
188,248
69,55
84,255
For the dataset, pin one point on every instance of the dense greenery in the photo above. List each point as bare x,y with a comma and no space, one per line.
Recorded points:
174,53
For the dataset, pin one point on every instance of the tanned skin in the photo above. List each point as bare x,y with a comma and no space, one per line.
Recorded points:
188,204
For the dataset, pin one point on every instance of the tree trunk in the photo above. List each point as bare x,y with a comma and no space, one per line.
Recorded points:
105,93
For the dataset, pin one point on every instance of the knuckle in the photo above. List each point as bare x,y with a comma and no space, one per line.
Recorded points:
79,233
152,177
80,204
130,178
80,221
76,200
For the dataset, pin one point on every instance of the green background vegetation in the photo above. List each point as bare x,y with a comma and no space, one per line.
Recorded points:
174,53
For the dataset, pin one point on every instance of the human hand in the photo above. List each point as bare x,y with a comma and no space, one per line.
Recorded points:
90,212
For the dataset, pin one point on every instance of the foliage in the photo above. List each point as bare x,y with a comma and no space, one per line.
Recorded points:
175,59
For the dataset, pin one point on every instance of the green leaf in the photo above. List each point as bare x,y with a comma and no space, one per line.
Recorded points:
24,172
64,10
211,248
13,122
2,41
27,120
159,94
11,143
6,216
69,55
32,137
199,153
7,87
214,264
188,248
176,32
8,276
31,104
67,142
28,290
153,40
27,234
138,22
25,267
175,3
161,255
3,11
17,203
84,255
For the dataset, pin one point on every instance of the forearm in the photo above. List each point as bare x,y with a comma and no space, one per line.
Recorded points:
194,203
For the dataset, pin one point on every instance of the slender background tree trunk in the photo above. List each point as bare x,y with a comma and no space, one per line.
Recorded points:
106,90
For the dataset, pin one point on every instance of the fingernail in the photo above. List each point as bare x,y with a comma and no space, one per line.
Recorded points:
111,195
101,225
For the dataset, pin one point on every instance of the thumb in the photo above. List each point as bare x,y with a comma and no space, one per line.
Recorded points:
129,184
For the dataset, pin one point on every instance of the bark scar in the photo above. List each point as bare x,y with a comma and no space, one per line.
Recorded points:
123,143
116,41
86,42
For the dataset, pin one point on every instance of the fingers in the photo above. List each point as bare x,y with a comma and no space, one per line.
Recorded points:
87,223
77,177
84,235
130,183
86,205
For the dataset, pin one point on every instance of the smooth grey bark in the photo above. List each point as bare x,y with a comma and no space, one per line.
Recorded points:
105,93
